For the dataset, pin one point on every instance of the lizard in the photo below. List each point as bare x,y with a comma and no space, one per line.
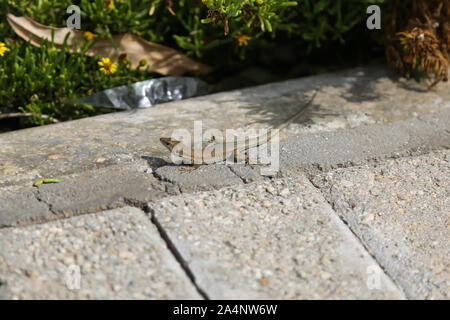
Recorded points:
198,158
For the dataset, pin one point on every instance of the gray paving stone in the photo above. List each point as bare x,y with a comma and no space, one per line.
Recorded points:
87,192
346,99
120,255
356,146
132,183
401,211
277,239
247,173
326,150
102,189
21,207
208,177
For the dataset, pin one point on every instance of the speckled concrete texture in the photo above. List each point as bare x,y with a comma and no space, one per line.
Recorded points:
401,210
119,255
272,240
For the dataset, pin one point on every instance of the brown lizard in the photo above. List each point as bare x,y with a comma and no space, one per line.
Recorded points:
200,157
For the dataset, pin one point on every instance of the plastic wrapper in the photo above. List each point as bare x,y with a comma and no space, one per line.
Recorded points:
147,93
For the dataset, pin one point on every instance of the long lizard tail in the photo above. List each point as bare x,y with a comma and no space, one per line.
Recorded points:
263,140
297,115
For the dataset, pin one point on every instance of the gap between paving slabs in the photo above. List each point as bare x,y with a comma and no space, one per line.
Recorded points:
277,239
400,209
119,253
88,192
351,273
160,228
179,218
64,201
134,184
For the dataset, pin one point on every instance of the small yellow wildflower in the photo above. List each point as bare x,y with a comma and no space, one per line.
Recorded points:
109,4
107,67
3,49
89,35
242,38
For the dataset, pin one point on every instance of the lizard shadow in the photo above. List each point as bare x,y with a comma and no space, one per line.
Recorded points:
342,91
271,114
156,162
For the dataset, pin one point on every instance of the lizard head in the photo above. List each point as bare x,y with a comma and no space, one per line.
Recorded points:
169,143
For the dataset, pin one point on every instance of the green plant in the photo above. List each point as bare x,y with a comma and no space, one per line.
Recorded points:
198,26
227,34
41,80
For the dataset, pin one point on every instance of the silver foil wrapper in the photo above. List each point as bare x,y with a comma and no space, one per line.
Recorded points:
147,93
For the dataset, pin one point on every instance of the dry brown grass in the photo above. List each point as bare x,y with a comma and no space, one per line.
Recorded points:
421,41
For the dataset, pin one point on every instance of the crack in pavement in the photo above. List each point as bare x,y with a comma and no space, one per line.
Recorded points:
171,188
38,197
176,253
358,239
230,167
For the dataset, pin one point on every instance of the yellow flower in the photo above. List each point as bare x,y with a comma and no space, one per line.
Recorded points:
242,38
109,4
3,49
107,67
89,35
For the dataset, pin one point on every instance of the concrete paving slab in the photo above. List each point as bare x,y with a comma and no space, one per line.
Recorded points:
401,211
346,99
119,253
88,192
247,173
137,183
208,177
98,190
22,207
276,239
364,144
324,151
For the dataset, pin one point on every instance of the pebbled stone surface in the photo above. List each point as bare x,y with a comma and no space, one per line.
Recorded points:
277,239
120,255
401,210
207,177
